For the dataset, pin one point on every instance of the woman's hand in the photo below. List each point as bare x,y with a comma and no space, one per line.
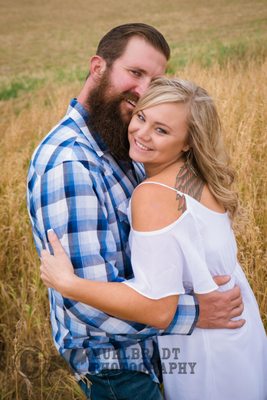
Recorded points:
57,270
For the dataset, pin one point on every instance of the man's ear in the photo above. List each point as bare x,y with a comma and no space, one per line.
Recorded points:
97,67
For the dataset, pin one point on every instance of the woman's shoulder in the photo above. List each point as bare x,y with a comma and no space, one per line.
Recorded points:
154,205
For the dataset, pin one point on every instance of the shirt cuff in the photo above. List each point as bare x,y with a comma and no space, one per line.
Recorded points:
186,316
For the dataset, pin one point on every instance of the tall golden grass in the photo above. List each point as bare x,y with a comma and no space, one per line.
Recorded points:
29,366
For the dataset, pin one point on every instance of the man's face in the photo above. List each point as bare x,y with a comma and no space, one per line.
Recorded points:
112,101
131,74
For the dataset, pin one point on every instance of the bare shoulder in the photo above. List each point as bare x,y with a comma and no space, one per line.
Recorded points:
153,207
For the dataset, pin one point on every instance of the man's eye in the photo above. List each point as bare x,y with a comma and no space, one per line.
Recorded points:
135,73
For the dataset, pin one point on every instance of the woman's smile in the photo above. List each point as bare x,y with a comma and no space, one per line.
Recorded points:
141,146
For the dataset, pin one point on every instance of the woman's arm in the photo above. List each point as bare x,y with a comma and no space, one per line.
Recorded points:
113,298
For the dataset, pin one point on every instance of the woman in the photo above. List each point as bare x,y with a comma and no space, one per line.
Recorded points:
180,237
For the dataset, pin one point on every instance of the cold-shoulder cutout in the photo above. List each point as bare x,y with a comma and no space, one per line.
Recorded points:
154,206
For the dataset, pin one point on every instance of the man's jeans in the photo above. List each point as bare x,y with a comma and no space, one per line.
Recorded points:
121,385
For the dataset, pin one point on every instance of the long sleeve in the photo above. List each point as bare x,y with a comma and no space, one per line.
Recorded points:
67,200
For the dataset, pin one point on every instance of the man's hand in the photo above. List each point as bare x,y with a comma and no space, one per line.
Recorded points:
216,309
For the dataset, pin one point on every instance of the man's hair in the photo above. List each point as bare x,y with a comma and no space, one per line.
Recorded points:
113,44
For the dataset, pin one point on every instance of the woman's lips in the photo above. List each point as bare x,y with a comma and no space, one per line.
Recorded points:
141,146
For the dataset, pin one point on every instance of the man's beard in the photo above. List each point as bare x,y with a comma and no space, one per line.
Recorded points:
106,118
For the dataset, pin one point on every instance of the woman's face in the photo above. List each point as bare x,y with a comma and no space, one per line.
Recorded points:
157,136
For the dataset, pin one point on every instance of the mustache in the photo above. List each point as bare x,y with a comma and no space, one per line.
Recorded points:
128,96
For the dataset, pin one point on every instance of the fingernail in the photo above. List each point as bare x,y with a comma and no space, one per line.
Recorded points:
50,231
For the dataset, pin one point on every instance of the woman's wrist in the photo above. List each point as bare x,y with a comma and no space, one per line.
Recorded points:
67,285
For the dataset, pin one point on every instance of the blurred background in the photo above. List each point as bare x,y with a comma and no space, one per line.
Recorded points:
45,53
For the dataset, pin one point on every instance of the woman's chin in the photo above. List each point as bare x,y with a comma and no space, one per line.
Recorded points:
135,157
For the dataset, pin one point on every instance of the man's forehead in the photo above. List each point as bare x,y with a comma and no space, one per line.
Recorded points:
140,54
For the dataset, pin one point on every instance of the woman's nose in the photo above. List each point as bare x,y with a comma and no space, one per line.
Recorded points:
144,133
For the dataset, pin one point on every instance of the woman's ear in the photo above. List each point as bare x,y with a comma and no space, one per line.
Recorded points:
186,148
97,67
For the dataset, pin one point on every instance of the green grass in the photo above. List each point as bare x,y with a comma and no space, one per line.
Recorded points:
19,86
218,52
204,54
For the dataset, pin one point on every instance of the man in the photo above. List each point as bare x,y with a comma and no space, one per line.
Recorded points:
80,180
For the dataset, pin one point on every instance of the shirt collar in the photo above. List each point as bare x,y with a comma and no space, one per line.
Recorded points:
81,116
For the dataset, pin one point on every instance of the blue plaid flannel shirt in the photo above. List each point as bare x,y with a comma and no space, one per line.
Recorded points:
77,188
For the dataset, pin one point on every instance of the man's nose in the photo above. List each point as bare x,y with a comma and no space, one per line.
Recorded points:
142,86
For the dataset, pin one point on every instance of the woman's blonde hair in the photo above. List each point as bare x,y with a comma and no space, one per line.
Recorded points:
206,154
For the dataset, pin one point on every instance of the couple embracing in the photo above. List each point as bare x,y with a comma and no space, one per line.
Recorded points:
144,282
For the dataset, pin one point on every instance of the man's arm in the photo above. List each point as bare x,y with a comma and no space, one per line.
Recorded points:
123,302
67,200
71,204
217,309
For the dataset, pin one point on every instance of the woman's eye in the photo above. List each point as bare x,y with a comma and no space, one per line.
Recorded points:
140,117
161,131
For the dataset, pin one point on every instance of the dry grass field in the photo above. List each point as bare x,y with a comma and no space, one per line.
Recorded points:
45,47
